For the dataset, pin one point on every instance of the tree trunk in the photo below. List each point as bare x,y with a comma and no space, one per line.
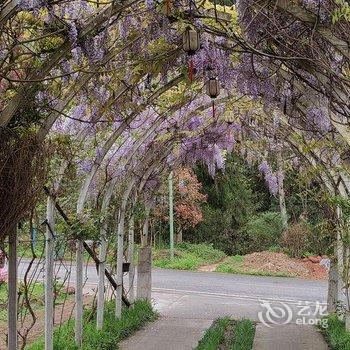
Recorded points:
179,235
171,215
281,194
332,297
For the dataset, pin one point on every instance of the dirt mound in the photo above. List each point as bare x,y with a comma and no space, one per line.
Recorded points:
282,263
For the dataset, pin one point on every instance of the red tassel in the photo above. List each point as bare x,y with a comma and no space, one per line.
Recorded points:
168,7
190,70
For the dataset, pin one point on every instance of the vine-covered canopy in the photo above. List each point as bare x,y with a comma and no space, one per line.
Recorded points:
115,92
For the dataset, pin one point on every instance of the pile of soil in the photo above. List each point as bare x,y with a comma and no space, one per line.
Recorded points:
279,262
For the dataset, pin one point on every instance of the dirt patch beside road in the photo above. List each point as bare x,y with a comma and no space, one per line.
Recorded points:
270,264
280,262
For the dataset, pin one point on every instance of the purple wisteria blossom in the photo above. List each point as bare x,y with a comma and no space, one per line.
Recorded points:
271,178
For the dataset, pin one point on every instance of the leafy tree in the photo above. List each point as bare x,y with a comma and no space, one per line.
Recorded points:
233,197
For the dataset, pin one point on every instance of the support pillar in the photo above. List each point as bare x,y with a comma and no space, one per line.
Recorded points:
49,267
144,273
12,290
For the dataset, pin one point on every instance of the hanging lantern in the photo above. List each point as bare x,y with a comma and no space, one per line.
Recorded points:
213,91
190,44
190,41
213,88
167,8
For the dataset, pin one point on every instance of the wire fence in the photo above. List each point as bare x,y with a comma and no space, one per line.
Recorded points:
31,288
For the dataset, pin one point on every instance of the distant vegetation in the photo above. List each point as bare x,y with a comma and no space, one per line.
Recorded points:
240,216
187,256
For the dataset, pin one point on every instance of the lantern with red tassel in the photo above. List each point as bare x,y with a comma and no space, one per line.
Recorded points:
190,44
167,8
213,91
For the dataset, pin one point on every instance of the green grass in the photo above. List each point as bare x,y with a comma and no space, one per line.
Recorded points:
191,256
214,335
228,334
244,335
36,294
187,256
109,337
3,302
336,335
234,264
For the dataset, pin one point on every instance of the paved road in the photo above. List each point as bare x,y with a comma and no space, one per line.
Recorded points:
209,283
243,290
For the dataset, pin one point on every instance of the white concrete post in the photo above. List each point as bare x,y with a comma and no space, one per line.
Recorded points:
131,261
79,294
120,248
101,279
102,257
12,290
49,267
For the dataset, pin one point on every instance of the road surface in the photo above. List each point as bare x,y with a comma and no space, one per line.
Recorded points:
242,291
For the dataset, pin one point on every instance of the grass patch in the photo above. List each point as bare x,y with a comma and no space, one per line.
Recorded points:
228,334
214,335
244,335
187,256
235,264
335,334
36,293
110,336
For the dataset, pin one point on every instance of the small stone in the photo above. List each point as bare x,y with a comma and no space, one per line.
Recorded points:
315,259
70,290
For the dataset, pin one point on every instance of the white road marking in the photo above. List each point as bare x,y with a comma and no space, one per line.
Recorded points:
238,296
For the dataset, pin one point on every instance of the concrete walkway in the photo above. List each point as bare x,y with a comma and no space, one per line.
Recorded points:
288,337
168,334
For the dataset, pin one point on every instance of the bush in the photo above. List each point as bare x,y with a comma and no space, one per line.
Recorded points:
295,239
203,251
335,333
260,233
233,198
216,229
187,256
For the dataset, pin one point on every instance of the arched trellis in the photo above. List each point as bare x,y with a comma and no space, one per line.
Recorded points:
98,21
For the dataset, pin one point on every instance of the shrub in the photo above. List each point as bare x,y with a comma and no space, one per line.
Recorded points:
295,239
260,233
336,335
188,256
